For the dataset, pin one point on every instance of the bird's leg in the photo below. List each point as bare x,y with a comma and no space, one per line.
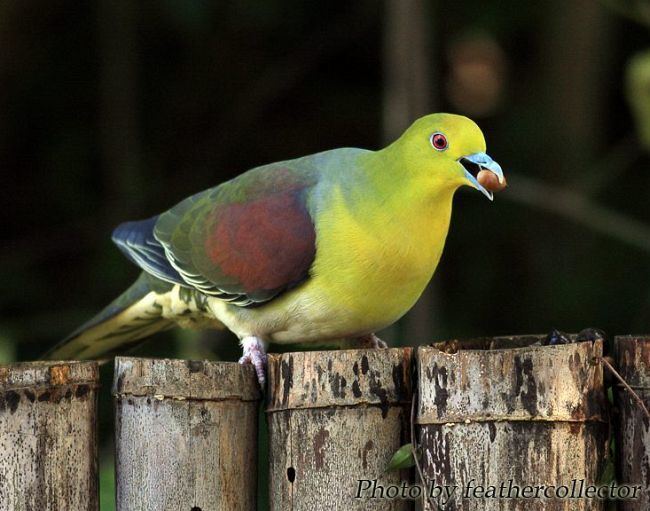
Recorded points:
371,341
254,352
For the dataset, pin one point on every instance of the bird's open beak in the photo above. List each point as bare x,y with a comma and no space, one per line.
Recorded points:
474,163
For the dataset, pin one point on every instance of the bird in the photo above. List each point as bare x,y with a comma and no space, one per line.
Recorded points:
334,245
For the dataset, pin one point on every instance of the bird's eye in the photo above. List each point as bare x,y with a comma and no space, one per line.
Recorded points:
439,142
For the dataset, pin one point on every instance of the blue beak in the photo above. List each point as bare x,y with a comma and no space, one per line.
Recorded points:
476,162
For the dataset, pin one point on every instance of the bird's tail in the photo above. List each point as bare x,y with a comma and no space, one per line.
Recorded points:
135,314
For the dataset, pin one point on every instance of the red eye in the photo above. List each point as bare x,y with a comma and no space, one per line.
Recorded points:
439,141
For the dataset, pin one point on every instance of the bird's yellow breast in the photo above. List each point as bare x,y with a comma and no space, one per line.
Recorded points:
373,261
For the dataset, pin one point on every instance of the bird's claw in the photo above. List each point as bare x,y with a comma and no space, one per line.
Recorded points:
371,341
254,353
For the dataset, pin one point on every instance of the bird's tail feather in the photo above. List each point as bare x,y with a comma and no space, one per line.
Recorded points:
135,314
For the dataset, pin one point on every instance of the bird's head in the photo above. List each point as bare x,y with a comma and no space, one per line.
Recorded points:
447,151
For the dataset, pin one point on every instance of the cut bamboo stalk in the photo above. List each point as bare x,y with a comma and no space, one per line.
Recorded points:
185,435
335,419
48,436
506,412
633,428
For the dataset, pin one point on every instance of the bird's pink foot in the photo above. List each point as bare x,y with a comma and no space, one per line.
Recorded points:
371,341
254,352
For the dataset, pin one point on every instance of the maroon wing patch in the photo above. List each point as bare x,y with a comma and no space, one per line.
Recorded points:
266,245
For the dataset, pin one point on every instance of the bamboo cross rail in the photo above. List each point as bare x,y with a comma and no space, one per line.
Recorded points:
486,413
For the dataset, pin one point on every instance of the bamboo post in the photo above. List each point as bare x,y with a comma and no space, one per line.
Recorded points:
185,435
336,418
48,436
505,412
633,428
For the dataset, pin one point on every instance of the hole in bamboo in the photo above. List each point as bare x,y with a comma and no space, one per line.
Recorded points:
291,474
195,508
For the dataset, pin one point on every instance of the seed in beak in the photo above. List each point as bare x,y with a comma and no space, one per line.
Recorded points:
489,180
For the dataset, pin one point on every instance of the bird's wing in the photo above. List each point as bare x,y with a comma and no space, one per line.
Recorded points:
247,240
138,244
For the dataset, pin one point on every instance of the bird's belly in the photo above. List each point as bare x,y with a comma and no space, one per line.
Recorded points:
342,311
327,308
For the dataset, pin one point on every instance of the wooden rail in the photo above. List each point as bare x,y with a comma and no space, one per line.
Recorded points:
488,413
494,415
633,427
48,439
185,435
335,418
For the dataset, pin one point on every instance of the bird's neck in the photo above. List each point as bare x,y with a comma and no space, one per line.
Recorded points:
394,186
408,215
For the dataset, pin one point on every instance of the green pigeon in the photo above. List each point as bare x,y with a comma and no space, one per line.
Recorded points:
334,245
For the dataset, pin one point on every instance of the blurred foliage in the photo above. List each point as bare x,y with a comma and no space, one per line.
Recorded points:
636,10
116,110
638,93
